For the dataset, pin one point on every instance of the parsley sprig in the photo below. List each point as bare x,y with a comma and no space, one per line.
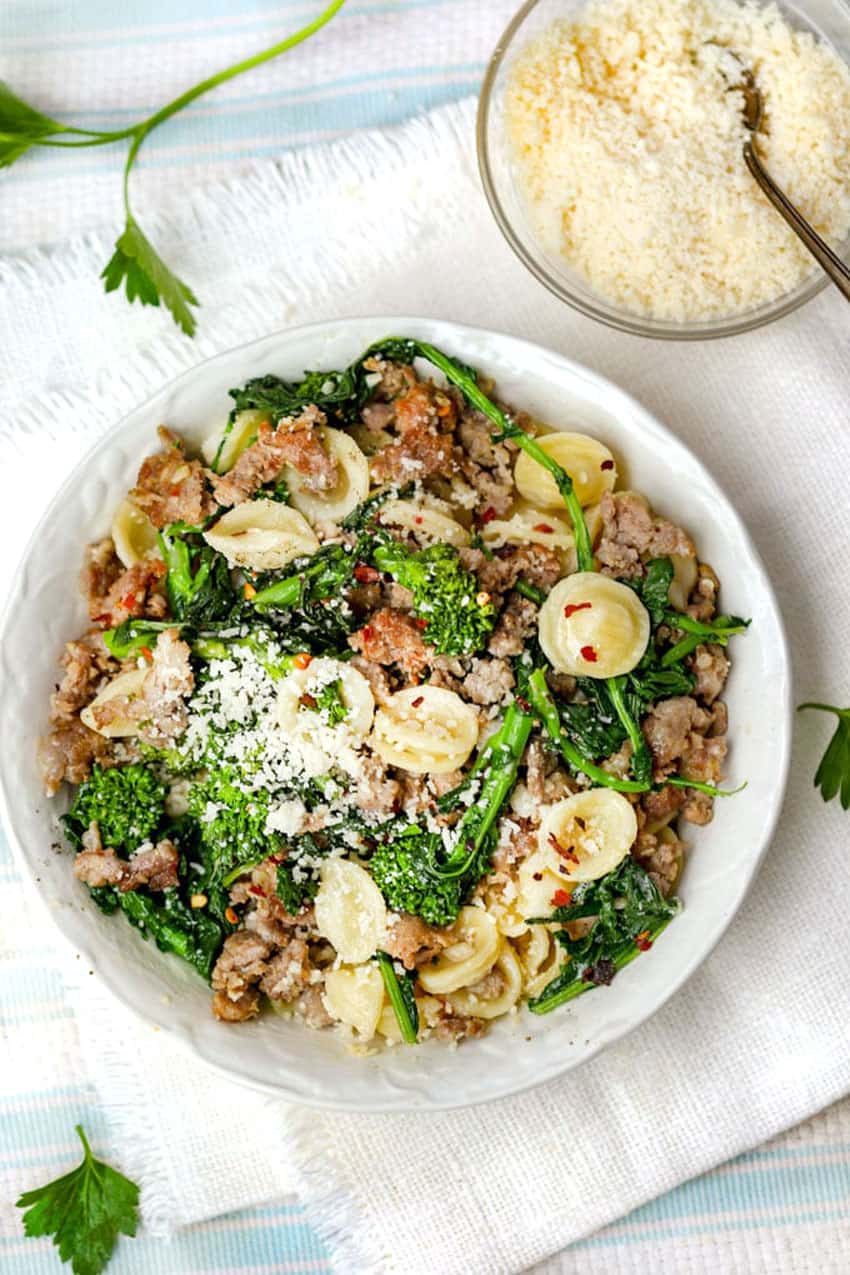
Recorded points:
135,262
84,1211
833,774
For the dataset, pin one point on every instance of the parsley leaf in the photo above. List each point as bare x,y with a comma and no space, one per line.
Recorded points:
19,119
85,1211
145,275
833,773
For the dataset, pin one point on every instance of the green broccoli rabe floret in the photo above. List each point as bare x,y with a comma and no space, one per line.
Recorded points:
231,824
412,869
126,802
458,616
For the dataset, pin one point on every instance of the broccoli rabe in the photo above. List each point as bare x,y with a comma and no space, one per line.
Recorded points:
126,802
628,913
231,824
458,617
198,583
413,870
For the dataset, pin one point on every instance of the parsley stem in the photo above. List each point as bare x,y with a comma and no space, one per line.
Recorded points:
221,77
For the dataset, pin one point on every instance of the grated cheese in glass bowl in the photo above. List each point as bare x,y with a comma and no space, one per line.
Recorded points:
610,145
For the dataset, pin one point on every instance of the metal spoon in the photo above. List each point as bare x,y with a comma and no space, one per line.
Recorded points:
753,114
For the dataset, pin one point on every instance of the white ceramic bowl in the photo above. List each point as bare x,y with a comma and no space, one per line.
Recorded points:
524,1050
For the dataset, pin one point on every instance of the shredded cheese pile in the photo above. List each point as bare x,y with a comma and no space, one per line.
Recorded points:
627,145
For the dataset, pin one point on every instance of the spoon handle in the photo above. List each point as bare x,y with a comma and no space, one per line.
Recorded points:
819,248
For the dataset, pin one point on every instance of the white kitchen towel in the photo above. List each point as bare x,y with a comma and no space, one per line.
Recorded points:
759,1038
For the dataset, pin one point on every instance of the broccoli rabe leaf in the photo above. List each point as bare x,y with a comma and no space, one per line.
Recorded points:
126,802
83,1212
628,911
146,277
833,773
191,933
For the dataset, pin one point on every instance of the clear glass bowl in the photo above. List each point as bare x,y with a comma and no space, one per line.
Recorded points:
829,19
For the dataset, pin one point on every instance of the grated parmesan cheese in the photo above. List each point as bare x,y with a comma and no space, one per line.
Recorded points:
627,145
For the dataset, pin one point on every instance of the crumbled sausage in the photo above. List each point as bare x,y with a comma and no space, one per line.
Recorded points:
68,753
409,940
171,488
667,729
420,453
241,964
489,681
154,867
293,441
85,662
516,622
115,594
391,637
630,531
710,664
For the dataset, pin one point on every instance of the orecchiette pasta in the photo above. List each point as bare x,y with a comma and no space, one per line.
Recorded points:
262,535
133,534
240,435
350,910
589,834
587,461
296,716
593,626
531,526
429,522
129,685
351,487
425,729
477,1004
471,955
684,579
541,960
355,995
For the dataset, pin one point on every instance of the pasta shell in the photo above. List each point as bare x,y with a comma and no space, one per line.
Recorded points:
241,434
685,573
427,522
129,684
587,461
589,834
355,996
350,911
351,487
531,527
593,626
542,960
262,535
295,717
471,955
538,879
133,534
469,1003
426,730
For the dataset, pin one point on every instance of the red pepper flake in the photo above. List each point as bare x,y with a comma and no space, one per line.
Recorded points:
420,699
419,520
147,653
280,857
561,899
248,590
420,623
562,850
544,528
367,632
572,607
607,464
255,889
364,574
129,602
302,660
538,876
643,942
231,916
487,516
106,618
589,653
307,700
523,703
